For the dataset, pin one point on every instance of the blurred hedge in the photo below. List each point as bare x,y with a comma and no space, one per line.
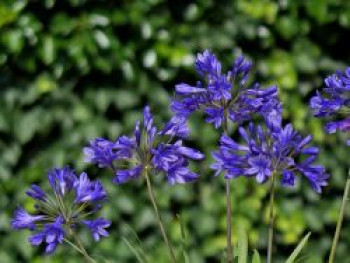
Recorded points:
71,70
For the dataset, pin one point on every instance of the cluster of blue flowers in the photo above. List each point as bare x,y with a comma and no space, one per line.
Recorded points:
334,99
148,149
221,95
267,150
73,202
271,151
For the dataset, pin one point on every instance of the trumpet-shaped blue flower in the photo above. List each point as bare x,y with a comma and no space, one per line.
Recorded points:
97,227
62,180
88,191
52,234
37,193
101,151
343,125
153,149
22,219
219,93
268,152
73,202
334,99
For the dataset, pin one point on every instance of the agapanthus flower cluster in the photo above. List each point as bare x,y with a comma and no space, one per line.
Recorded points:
334,100
267,151
73,202
222,95
148,149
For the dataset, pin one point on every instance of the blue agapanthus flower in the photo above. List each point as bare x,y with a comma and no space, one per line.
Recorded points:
158,151
334,100
220,93
73,201
268,151
98,227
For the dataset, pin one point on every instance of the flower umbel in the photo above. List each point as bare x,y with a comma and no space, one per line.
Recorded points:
220,92
334,99
74,200
148,148
267,152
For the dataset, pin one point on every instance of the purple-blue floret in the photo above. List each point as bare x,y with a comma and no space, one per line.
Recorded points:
22,219
62,180
37,193
100,151
52,234
88,191
98,227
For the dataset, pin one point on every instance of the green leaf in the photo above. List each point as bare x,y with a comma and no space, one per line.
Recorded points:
101,258
256,257
184,249
7,15
223,257
242,245
303,258
48,50
137,251
298,249
133,232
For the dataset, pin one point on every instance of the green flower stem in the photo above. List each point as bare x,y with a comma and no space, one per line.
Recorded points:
73,245
271,219
228,219
340,220
79,246
159,218
228,205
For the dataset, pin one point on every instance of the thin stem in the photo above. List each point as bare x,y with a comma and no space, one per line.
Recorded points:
159,218
73,245
79,246
228,219
271,219
228,204
184,238
340,220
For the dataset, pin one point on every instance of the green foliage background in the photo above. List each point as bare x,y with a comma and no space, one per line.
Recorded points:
71,70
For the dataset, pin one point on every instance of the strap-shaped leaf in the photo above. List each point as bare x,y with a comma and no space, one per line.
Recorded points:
256,257
139,254
298,249
242,245
184,245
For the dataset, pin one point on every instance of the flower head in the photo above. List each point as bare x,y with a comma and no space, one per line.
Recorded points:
269,152
224,92
157,150
334,100
74,200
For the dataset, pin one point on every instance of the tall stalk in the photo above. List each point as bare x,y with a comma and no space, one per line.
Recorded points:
79,246
228,219
340,220
228,206
271,219
159,218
